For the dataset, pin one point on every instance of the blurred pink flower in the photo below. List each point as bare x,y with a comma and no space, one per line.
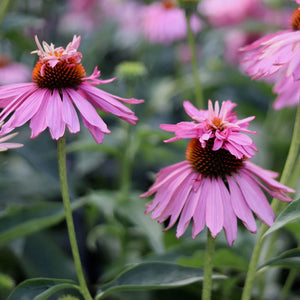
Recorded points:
228,12
276,57
163,22
12,72
59,85
5,146
215,185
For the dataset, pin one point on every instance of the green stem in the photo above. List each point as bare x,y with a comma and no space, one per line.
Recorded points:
197,82
126,157
3,9
208,266
290,161
61,151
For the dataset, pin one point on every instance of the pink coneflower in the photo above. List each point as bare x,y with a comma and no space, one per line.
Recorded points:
163,22
59,87
217,183
228,12
12,72
276,57
5,146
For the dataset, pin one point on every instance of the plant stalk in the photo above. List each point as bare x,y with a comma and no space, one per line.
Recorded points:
61,151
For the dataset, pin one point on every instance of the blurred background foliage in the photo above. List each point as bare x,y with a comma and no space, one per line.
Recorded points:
112,232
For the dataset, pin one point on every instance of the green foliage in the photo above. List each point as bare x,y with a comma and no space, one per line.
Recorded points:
291,214
41,289
154,275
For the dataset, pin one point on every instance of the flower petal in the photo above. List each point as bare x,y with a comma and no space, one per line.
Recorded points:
214,207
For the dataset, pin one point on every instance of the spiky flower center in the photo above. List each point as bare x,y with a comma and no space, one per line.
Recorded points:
62,75
295,19
211,163
168,4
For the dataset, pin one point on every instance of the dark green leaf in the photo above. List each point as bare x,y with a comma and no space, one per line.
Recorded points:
154,275
290,215
40,288
19,221
223,258
288,259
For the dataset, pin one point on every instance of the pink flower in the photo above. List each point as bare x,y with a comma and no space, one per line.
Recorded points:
12,72
276,57
59,86
228,12
163,22
215,185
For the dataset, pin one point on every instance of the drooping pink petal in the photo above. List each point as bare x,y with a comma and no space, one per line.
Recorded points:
200,211
95,131
239,205
214,207
54,116
230,221
255,198
87,111
38,122
69,113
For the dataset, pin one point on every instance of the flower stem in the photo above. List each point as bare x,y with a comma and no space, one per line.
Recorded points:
208,266
289,164
126,157
197,82
61,151
3,9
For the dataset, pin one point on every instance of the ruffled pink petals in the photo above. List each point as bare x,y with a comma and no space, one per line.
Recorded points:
276,57
219,123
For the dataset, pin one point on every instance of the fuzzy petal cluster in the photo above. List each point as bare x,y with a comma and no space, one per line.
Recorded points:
58,108
183,195
276,58
164,23
221,124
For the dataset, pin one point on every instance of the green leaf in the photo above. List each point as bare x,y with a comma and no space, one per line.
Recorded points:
40,288
155,275
290,215
134,211
289,259
223,258
19,221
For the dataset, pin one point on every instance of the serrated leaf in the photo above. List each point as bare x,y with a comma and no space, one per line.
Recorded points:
288,259
155,275
40,288
289,215
20,221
